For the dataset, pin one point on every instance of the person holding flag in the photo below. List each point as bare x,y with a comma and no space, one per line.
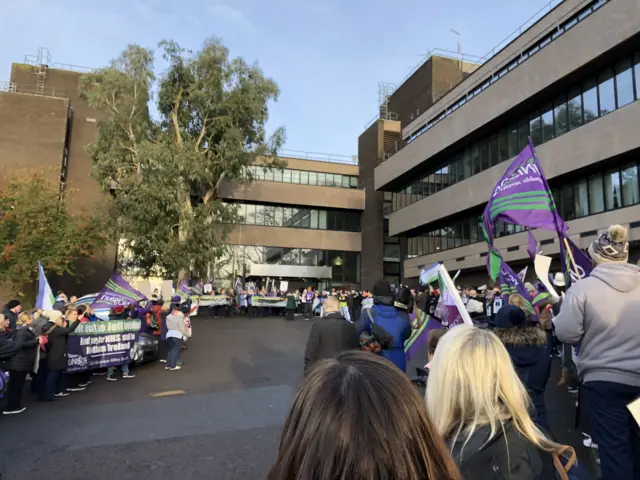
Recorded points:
600,313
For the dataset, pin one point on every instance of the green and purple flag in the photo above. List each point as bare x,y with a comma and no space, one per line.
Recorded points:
184,291
117,293
582,267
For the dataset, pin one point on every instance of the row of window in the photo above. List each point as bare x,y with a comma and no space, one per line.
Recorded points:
615,87
521,58
237,261
298,217
609,190
303,177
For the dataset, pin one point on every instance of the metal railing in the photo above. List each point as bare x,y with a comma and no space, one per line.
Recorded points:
73,68
489,55
26,89
319,157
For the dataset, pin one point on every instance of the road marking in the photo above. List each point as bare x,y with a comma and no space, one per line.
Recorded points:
168,393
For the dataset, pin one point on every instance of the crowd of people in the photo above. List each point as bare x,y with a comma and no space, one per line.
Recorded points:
34,345
484,415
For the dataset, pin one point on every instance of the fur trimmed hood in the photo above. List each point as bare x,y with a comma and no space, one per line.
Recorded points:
522,337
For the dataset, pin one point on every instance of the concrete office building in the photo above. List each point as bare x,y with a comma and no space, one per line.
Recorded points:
398,106
571,81
302,224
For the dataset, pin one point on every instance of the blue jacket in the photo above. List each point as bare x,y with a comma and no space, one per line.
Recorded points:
396,323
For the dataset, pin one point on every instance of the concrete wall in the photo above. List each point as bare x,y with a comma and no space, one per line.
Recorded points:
612,24
294,194
592,143
468,257
32,132
294,238
370,153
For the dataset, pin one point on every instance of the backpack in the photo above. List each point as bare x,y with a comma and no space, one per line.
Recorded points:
4,383
377,339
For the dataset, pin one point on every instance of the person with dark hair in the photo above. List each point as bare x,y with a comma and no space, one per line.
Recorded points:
177,333
357,417
527,347
11,311
599,313
390,319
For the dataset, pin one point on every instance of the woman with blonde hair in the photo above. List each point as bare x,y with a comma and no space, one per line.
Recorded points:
358,417
480,407
26,344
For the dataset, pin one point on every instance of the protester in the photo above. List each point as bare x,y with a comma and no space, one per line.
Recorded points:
11,311
527,347
356,417
388,318
177,333
291,306
7,347
26,344
330,335
600,313
479,405
55,384
308,304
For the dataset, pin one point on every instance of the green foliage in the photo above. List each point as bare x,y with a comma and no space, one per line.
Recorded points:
36,225
166,172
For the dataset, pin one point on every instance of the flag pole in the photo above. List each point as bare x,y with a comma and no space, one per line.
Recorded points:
573,261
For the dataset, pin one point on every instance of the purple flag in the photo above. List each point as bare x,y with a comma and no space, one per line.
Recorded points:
522,197
184,290
532,246
418,339
582,267
116,293
508,280
197,289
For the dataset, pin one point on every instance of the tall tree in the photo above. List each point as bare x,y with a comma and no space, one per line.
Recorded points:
165,170
35,224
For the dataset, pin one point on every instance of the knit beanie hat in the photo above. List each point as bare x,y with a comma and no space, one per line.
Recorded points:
12,304
610,246
382,289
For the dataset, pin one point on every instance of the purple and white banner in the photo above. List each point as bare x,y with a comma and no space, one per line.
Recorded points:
117,293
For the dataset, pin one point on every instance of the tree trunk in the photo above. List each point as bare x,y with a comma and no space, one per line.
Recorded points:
185,222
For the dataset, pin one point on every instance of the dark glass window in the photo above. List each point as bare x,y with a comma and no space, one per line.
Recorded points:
523,134
503,145
606,92
547,123
484,156
313,178
466,163
636,73
590,101
568,203
459,168
560,116
535,126
581,198
596,194
574,109
612,193
475,160
494,157
629,176
624,83
513,141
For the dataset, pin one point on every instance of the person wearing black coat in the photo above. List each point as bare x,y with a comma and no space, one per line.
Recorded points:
330,335
11,312
527,346
57,354
26,344
7,347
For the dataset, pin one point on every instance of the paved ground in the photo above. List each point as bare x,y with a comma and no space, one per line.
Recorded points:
238,380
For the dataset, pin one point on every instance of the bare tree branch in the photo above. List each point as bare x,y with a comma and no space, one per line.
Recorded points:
174,117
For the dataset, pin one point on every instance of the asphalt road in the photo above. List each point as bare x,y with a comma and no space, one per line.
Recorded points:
219,417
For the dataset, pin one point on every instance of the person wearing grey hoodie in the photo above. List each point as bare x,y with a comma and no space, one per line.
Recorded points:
600,313
177,333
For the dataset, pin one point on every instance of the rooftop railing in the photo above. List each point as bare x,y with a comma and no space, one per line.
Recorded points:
319,157
27,89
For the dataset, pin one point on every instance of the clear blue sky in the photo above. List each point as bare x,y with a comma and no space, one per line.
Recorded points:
326,55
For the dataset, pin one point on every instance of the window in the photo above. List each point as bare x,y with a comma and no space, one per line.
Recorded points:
503,145
560,116
268,174
596,194
345,181
629,176
322,220
535,126
330,182
278,220
322,179
636,72
567,202
612,193
251,214
606,92
624,83
494,157
513,141
337,180
259,214
475,160
295,176
574,109
523,134
353,182
313,178
590,101
547,123
581,199
391,252
242,213
277,175
304,178
484,156
466,160
314,219
286,176
305,218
